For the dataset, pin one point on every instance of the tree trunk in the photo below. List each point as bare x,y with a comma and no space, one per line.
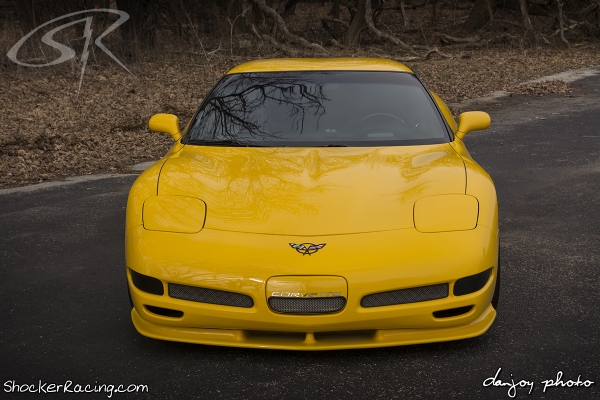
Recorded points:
480,14
525,14
33,13
335,9
286,8
28,15
356,25
283,27
247,19
141,28
238,12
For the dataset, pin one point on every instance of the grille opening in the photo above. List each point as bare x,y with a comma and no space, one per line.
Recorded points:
452,312
164,312
307,305
210,296
471,284
147,283
405,296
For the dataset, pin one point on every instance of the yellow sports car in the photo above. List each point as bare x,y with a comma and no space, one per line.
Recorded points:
315,204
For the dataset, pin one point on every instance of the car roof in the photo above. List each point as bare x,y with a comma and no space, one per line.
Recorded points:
320,64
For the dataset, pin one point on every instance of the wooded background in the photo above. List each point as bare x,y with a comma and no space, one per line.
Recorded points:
349,23
176,50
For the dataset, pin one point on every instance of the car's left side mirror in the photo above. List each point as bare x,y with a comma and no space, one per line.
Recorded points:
472,121
167,123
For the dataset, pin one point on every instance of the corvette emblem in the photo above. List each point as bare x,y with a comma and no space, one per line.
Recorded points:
307,248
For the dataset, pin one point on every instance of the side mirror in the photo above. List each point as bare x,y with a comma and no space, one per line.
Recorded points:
472,121
167,123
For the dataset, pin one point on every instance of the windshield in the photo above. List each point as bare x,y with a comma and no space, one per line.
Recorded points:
331,108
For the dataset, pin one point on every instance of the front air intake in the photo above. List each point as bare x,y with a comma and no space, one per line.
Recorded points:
452,312
210,296
147,283
165,312
471,284
310,305
405,296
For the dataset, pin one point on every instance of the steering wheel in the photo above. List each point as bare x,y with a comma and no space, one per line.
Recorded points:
397,118
385,123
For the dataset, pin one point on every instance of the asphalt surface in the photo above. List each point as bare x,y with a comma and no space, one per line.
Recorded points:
64,313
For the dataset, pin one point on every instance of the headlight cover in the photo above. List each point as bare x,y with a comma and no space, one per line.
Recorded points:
445,213
180,214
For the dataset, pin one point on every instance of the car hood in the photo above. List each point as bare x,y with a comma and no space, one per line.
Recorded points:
312,191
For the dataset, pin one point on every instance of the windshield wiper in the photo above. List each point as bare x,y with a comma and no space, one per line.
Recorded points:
335,145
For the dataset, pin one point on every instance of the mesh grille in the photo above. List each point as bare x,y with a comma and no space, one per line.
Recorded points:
311,305
210,296
404,296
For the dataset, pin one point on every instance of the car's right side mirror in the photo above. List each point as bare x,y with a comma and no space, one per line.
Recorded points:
167,123
472,121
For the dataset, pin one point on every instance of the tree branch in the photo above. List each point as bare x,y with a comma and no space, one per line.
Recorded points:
287,51
403,13
337,44
567,28
382,35
284,30
452,39
562,25
526,19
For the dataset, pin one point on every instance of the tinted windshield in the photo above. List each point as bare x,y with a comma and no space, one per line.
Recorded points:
332,108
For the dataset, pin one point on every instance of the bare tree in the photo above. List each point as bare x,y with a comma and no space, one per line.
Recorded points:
481,13
141,29
278,19
358,22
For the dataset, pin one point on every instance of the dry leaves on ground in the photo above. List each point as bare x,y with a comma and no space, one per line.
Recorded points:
50,131
555,86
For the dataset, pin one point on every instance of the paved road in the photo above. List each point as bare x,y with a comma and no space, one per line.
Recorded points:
64,311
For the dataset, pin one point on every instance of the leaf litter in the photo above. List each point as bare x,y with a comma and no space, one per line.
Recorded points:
51,132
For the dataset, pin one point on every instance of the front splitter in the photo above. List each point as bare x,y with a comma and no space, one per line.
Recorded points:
313,340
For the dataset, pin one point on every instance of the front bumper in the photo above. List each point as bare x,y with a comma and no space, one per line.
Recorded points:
313,341
370,263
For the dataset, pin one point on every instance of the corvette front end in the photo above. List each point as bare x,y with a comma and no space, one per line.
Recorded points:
259,259
397,278
315,247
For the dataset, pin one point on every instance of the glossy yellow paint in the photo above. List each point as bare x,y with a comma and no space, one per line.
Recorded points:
312,191
145,186
472,121
166,123
445,213
179,214
365,204
313,341
480,186
405,258
320,64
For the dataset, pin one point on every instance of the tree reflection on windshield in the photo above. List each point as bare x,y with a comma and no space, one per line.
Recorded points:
318,108
252,107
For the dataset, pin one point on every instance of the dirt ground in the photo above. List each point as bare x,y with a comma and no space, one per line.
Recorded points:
50,131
